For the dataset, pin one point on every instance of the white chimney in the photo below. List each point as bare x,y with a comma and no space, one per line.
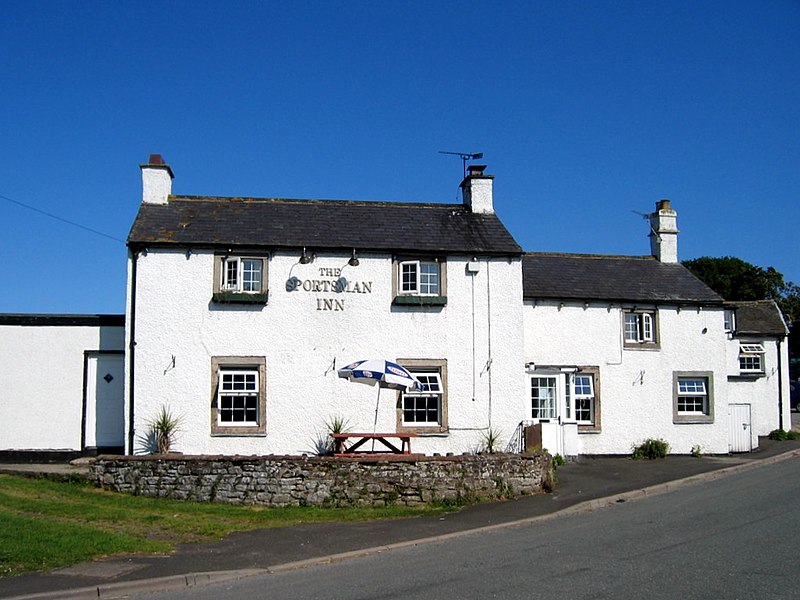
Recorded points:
477,190
664,233
156,181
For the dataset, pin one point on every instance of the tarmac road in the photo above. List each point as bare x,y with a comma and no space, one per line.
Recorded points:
584,485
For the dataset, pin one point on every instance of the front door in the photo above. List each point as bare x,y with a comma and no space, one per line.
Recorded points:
104,427
741,439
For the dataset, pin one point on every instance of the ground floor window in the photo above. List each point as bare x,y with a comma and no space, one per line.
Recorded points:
693,397
424,411
543,397
238,395
568,393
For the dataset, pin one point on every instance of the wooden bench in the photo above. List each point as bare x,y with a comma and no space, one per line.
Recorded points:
340,447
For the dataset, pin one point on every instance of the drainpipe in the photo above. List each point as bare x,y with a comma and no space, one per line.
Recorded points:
780,385
131,351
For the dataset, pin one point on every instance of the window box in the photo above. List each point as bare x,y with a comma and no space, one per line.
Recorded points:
239,298
420,300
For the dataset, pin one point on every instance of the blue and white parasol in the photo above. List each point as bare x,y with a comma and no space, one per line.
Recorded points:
384,374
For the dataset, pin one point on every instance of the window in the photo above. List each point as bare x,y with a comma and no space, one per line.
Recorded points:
543,397
567,392
240,279
693,398
639,328
751,358
420,281
238,395
584,399
424,411
730,320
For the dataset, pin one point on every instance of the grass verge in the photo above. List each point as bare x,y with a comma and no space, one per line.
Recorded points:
47,524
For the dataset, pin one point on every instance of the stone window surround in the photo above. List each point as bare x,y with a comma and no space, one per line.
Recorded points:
644,344
226,296
248,362
413,364
595,426
678,418
416,299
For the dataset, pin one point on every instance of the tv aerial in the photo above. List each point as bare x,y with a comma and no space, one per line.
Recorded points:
464,156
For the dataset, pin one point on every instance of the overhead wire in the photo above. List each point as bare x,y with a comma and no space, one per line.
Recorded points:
62,219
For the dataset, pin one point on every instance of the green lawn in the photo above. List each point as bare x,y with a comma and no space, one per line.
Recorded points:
46,524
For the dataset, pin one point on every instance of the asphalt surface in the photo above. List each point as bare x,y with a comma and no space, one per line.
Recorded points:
585,485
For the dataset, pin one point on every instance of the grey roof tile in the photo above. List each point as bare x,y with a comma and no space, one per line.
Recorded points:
320,224
589,277
758,317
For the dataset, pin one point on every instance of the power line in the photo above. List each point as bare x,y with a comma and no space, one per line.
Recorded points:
62,219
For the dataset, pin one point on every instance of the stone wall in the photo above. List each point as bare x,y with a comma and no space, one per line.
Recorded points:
325,481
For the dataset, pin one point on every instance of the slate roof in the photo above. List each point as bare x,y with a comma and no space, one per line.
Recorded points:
590,277
758,317
187,221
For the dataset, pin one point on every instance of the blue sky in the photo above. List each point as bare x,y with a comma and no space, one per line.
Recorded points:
585,112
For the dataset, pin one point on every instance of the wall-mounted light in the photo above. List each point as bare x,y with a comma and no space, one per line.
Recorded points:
306,258
353,262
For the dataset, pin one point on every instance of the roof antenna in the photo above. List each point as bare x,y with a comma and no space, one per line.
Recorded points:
646,217
464,156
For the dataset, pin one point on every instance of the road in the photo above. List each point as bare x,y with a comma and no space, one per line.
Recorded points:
735,537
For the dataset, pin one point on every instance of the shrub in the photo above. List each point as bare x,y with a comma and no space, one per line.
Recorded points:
782,435
697,450
490,441
651,449
164,427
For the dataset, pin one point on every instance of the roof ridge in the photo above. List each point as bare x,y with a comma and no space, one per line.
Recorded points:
253,199
591,256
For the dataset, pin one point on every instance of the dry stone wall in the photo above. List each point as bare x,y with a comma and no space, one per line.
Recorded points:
326,481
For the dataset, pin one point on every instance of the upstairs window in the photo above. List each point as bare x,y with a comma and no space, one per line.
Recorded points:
420,281
242,274
640,328
240,279
751,358
730,321
420,278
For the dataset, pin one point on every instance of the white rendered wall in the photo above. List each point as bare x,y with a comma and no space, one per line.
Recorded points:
42,383
636,384
761,393
303,347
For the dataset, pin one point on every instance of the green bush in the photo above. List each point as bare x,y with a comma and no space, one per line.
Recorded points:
651,449
782,435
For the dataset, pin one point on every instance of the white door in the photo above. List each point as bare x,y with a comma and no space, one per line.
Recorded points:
105,401
740,429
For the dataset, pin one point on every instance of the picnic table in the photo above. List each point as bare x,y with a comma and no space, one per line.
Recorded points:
401,446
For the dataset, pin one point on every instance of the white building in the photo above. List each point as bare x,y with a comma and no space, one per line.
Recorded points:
241,310
61,385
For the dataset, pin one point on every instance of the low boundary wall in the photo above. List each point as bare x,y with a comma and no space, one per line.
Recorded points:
326,481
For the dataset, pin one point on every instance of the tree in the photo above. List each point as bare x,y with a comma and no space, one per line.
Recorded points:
735,279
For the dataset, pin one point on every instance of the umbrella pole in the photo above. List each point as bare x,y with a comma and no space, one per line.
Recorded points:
375,423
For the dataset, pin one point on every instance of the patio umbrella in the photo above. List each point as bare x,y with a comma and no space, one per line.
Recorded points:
384,374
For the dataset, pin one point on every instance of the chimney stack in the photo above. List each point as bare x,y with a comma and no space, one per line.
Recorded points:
156,181
664,233
477,190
